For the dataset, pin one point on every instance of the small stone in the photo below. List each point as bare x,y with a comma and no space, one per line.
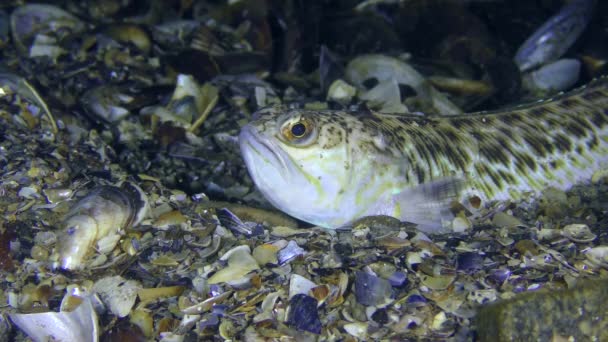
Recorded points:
303,315
371,290
501,219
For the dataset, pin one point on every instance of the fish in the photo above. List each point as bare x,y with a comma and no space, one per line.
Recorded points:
332,167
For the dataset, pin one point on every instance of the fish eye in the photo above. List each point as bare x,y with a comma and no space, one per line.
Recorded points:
298,130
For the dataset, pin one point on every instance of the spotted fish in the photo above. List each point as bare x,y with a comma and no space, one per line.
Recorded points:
332,167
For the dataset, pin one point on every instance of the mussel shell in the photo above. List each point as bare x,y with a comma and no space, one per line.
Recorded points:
101,213
30,20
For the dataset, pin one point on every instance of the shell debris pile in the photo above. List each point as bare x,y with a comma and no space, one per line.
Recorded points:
126,211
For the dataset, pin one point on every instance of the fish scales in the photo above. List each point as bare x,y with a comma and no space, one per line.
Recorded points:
507,148
351,164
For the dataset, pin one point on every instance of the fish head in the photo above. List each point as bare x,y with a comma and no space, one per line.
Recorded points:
300,161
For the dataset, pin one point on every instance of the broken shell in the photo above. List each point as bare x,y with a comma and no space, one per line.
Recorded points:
78,325
552,39
143,320
469,262
357,329
578,233
598,256
150,294
557,76
502,219
21,86
207,304
302,314
130,33
440,282
499,276
187,101
398,279
391,72
291,251
57,195
341,92
371,290
97,217
232,222
266,254
118,293
299,284
32,21
107,103
171,34
461,224
240,263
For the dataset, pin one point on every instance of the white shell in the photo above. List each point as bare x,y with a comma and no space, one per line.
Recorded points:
117,293
240,263
299,285
78,325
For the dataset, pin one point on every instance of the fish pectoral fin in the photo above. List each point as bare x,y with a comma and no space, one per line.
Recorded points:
428,204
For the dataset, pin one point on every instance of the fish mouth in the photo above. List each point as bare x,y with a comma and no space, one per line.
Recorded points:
252,142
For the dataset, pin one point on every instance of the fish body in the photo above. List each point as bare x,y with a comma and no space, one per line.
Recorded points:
332,167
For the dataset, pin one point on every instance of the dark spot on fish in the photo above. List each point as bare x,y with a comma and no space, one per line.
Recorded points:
593,142
529,161
506,130
508,177
459,158
511,118
462,123
537,143
521,167
553,123
575,128
598,118
562,142
500,140
496,179
419,173
493,152
451,135
592,95
516,116
537,112
569,103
